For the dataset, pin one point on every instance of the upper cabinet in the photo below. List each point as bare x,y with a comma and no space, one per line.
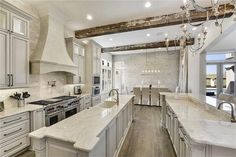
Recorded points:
4,19
19,26
76,51
14,48
96,60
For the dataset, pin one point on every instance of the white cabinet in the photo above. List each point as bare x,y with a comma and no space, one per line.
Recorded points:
96,59
14,134
4,19
19,26
119,128
37,119
76,51
19,61
4,60
112,138
14,49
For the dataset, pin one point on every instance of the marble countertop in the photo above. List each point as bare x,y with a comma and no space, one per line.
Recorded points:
202,125
9,111
83,128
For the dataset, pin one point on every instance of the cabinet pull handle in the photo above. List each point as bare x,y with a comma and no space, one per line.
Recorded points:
12,120
13,147
13,132
9,80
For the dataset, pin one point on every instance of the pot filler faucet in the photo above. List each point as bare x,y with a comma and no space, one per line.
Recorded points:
117,95
233,120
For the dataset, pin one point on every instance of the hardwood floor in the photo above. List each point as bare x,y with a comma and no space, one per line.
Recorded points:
146,138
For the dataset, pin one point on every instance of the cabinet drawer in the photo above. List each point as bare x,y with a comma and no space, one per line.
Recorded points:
13,119
87,105
14,146
87,99
14,131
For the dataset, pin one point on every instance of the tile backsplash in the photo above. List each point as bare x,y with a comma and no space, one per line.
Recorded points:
39,88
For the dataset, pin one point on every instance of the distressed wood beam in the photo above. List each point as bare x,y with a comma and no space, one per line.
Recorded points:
225,10
152,45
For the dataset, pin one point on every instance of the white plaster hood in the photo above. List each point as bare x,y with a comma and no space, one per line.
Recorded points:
51,54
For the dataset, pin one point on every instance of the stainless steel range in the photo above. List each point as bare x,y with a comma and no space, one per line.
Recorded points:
59,108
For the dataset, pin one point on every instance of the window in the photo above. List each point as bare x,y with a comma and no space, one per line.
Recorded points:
220,75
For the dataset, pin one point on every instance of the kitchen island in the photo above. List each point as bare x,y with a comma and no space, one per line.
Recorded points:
96,132
196,127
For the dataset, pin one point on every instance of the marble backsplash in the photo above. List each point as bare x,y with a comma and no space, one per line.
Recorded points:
39,88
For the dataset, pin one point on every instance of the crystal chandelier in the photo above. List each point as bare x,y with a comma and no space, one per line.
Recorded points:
187,21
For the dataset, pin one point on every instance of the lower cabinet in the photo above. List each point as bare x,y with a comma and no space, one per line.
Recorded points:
37,119
184,146
14,134
112,138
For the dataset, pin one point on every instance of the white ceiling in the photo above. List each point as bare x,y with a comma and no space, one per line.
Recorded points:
226,44
113,11
136,37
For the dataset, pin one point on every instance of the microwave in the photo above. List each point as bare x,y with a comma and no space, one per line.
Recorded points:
96,80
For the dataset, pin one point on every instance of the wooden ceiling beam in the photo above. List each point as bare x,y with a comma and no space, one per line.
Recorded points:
225,11
152,45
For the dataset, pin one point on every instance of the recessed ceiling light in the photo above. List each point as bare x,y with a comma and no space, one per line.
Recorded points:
166,35
194,28
111,39
89,17
148,35
148,4
85,41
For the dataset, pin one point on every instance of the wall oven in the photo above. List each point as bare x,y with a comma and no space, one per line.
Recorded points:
96,90
96,80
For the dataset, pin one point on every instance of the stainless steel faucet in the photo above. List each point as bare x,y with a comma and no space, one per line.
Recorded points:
233,120
117,95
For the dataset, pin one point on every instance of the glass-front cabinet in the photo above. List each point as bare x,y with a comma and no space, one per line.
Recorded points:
106,76
19,25
4,17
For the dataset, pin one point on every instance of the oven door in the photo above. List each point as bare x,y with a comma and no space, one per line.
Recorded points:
53,118
96,80
96,91
70,112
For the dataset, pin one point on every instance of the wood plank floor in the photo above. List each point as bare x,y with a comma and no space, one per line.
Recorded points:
146,138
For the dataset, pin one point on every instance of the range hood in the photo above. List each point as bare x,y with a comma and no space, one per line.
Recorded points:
51,54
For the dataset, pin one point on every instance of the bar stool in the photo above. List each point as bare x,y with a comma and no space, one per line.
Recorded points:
154,96
138,95
145,96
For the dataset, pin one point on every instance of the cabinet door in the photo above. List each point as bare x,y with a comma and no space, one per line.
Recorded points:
37,119
4,19
19,61
119,128
81,68
4,60
19,26
111,137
